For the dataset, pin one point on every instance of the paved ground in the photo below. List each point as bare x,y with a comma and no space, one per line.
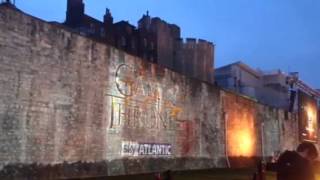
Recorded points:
217,174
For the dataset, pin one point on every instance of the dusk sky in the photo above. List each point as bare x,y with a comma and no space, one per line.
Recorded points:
265,34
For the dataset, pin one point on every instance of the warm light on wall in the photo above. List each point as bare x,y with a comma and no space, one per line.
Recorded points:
241,136
245,143
308,118
311,121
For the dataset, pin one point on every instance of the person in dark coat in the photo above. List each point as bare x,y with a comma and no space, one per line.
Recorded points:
297,165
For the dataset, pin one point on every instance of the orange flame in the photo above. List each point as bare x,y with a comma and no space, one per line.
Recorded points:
241,136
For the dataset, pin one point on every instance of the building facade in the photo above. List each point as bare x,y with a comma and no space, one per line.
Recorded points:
153,40
240,78
274,88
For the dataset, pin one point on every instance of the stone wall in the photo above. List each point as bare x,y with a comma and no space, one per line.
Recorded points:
73,107
242,129
67,98
194,58
255,131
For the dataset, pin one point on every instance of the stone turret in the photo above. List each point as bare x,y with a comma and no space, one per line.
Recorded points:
145,22
195,58
108,19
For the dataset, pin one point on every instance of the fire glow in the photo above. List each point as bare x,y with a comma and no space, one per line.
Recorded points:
308,118
311,121
241,136
245,143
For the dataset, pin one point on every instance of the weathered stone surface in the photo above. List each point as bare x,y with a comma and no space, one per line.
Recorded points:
67,99
242,130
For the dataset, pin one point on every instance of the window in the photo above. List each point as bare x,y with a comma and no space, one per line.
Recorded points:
123,41
145,43
133,46
92,28
102,32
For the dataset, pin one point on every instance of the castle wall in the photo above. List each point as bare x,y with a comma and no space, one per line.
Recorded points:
194,58
255,131
66,98
289,131
154,40
165,42
242,128
72,107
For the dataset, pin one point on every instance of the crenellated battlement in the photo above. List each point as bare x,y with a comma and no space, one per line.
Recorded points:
154,40
193,42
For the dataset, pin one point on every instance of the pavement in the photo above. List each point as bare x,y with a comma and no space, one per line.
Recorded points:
216,174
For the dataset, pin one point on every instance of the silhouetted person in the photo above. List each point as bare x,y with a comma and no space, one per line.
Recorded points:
297,165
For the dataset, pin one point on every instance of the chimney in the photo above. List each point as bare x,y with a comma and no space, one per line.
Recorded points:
108,27
75,13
